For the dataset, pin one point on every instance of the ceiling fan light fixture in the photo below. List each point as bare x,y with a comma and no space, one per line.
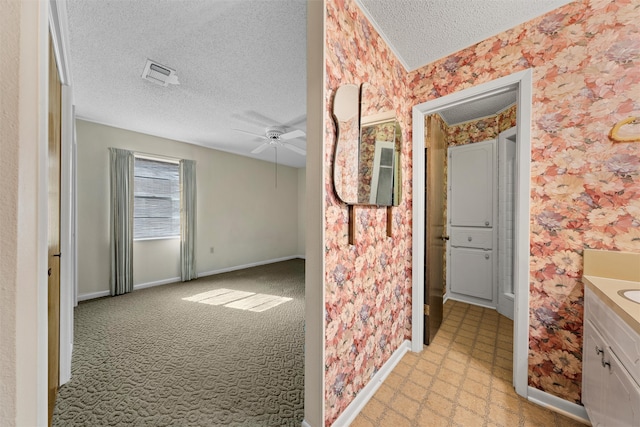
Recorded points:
274,133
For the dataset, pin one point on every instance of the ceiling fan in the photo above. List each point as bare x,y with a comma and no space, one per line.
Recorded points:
276,136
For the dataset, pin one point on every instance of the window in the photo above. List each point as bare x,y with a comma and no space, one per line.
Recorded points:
156,199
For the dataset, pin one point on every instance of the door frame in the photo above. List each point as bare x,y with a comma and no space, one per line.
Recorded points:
58,28
522,83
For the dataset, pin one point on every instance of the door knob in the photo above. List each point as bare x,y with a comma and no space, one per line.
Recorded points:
445,237
58,254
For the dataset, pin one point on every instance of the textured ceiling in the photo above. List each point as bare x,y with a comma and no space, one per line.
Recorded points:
423,31
484,107
241,64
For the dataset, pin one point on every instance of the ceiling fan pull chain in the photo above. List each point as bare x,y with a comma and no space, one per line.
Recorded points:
276,148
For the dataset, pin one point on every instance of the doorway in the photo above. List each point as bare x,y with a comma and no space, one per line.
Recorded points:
520,83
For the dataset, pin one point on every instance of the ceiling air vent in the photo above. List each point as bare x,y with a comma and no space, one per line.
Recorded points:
159,74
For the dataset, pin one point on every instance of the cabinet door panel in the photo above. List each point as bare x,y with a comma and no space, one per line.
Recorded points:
472,272
593,380
623,395
471,175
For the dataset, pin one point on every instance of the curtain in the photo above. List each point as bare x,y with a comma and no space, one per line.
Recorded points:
187,220
121,244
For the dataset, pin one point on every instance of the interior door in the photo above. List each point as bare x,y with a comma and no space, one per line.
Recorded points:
472,199
435,154
53,306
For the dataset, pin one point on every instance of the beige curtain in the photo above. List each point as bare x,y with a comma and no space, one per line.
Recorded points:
188,211
121,242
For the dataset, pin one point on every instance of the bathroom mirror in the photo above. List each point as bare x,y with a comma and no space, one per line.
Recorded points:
366,169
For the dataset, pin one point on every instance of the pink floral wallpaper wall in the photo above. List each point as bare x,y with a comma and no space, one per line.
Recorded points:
585,190
368,284
481,129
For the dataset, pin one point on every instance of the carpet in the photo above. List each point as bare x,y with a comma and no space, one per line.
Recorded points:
164,356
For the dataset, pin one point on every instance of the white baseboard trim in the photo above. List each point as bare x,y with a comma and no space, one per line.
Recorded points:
156,283
305,423
556,404
301,257
92,295
242,267
363,397
445,297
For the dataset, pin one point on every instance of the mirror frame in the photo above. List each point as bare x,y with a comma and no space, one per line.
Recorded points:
348,168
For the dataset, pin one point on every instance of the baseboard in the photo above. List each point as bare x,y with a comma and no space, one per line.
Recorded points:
92,295
556,404
84,297
156,283
445,298
363,397
242,267
301,257
305,423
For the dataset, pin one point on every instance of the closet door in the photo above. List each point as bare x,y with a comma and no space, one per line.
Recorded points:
471,184
472,272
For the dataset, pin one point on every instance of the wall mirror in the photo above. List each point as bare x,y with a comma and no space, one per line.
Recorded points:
366,169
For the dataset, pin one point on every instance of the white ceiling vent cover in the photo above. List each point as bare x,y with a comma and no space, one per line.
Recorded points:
159,74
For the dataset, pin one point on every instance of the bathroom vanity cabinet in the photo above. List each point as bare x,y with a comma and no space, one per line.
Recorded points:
611,362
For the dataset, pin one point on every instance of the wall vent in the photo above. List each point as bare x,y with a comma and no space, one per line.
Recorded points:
159,74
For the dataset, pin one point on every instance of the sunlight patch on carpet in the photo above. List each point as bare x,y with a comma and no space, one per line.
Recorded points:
240,300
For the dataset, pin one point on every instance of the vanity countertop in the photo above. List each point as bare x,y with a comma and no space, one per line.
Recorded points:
607,289
606,273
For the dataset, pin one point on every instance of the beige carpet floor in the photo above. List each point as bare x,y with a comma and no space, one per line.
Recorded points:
462,379
152,358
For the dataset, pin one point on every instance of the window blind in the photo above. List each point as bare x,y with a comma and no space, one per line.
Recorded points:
156,199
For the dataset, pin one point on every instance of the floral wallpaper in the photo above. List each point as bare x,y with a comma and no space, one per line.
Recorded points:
585,189
481,129
368,284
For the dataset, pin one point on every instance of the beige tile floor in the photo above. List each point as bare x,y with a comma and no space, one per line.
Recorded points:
462,379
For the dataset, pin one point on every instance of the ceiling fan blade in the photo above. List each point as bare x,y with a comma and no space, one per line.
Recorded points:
251,133
293,134
260,148
296,121
295,149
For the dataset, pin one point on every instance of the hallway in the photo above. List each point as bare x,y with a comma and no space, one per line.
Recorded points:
462,379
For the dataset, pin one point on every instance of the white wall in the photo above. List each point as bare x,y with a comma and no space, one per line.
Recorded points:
23,209
302,210
241,213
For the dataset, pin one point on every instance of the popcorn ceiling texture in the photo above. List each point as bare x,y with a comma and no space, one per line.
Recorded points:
585,189
403,21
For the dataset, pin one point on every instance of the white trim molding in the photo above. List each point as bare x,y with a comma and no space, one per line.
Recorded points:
100,294
521,82
243,266
556,404
363,397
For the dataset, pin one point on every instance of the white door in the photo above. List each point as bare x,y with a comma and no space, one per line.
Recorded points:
472,273
472,184
471,211
506,220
